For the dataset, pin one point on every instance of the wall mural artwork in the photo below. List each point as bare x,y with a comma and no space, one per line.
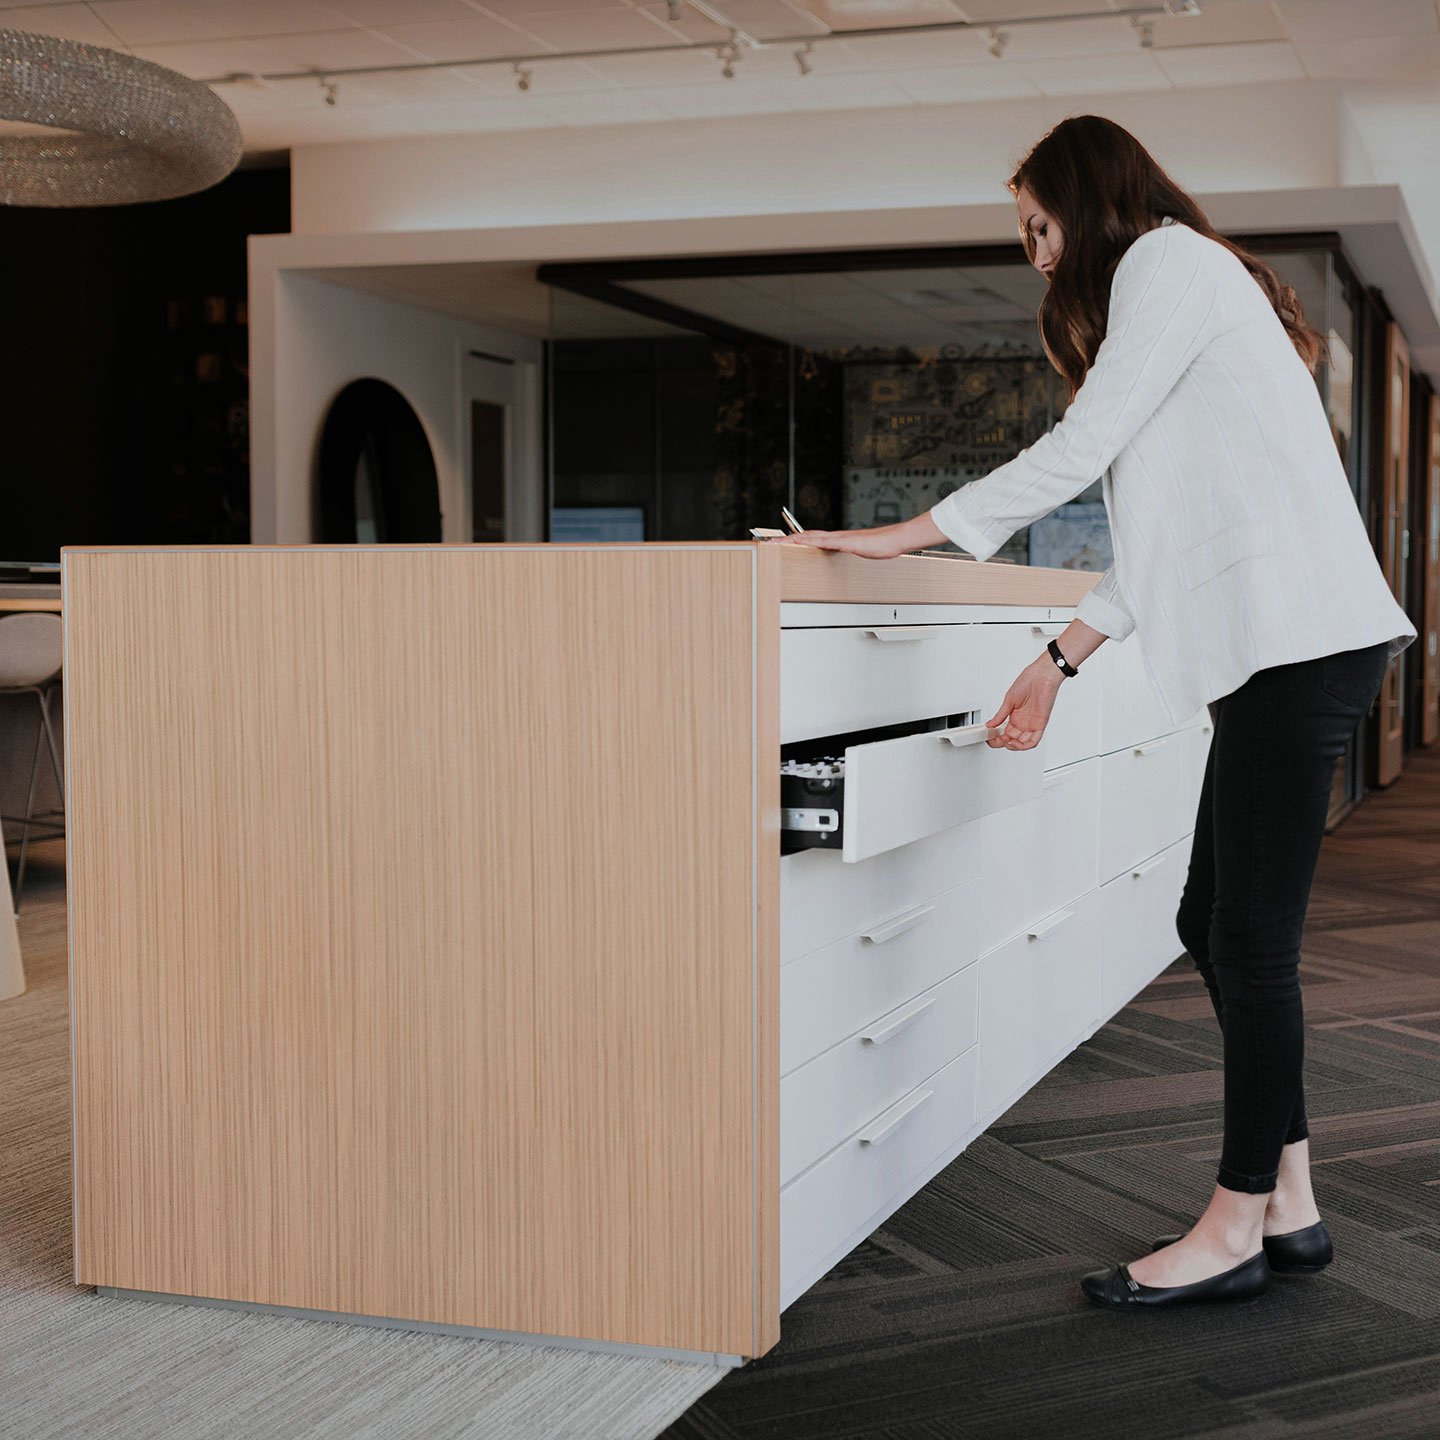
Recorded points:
918,428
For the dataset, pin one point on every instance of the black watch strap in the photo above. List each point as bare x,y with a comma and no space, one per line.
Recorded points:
1066,668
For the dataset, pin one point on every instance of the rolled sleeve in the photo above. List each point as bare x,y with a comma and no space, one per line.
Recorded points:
1102,608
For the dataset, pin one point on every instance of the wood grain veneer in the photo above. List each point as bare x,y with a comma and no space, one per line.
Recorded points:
424,932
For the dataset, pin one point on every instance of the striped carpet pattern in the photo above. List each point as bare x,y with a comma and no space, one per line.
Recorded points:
74,1363
962,1317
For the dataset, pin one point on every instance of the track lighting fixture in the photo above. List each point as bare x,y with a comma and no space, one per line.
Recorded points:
728,54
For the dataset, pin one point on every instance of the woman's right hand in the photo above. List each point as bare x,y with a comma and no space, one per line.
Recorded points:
1027,706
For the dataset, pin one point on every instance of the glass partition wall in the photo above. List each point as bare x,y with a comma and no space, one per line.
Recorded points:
689,399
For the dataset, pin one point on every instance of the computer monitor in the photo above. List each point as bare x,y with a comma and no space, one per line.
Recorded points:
579,524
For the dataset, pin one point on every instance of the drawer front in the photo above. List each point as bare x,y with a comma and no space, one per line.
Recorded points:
832,992
1145,803
1037,999
875,1169
1038,856
901,790
1130,708
822,899
849,678
833,1095
1137,925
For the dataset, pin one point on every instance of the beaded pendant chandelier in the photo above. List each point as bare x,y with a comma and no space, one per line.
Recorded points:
98,127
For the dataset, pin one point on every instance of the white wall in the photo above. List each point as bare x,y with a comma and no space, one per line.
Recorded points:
1291,135
326,335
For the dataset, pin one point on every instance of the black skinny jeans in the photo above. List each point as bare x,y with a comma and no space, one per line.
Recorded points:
1257,837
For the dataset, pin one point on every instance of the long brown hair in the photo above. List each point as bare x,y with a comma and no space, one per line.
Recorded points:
1105,189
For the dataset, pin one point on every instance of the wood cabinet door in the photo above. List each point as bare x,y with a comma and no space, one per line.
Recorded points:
1392,518
1430,533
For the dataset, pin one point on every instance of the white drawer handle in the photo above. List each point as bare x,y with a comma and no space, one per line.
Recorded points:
1151,746
1048,927
968,734
893,633
1051,630
896,925
1147,867
879,1034
888,1121
1059,777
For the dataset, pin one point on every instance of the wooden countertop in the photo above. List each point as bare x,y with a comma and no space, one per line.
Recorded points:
806,574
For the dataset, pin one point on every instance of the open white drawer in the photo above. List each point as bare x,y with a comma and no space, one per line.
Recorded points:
897,791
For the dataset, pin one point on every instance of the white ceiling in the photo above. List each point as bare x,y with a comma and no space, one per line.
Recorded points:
1373,42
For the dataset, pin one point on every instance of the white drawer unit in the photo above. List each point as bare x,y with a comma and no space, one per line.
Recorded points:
831,1096
1145,804
901,790
835,1203
1038,856
832,992
1073,732
1137,925
1130,708
822,899
1037,999
838,679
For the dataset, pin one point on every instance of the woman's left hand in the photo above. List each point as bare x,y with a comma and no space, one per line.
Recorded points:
880,542
1027,706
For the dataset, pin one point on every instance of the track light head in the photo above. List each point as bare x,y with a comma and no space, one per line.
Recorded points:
1145,29
522,77
329,89
998,41
802,58
673,9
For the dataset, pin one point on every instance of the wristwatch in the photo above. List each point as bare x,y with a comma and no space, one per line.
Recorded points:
1066,668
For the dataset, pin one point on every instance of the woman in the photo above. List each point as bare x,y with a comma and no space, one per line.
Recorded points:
1243,566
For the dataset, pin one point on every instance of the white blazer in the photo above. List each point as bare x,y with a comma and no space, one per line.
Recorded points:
1238,543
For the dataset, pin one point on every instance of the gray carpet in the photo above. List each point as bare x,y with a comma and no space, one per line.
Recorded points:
73,1363
962,1317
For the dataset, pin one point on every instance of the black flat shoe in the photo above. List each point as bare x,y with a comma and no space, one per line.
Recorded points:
1117,1288
1301,1252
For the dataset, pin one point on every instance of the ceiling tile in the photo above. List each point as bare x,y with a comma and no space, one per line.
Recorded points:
1219,25
401,12
1390,57
1069,39
1002,10
931,49
64,22
1231,64
609,29
463,39
547,77
262,17
869,14
693,26
687,67
1100,74
1324,20
963,83
332,49
144,22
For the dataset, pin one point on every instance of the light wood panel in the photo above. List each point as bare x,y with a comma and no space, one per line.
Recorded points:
418,968
1394,502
